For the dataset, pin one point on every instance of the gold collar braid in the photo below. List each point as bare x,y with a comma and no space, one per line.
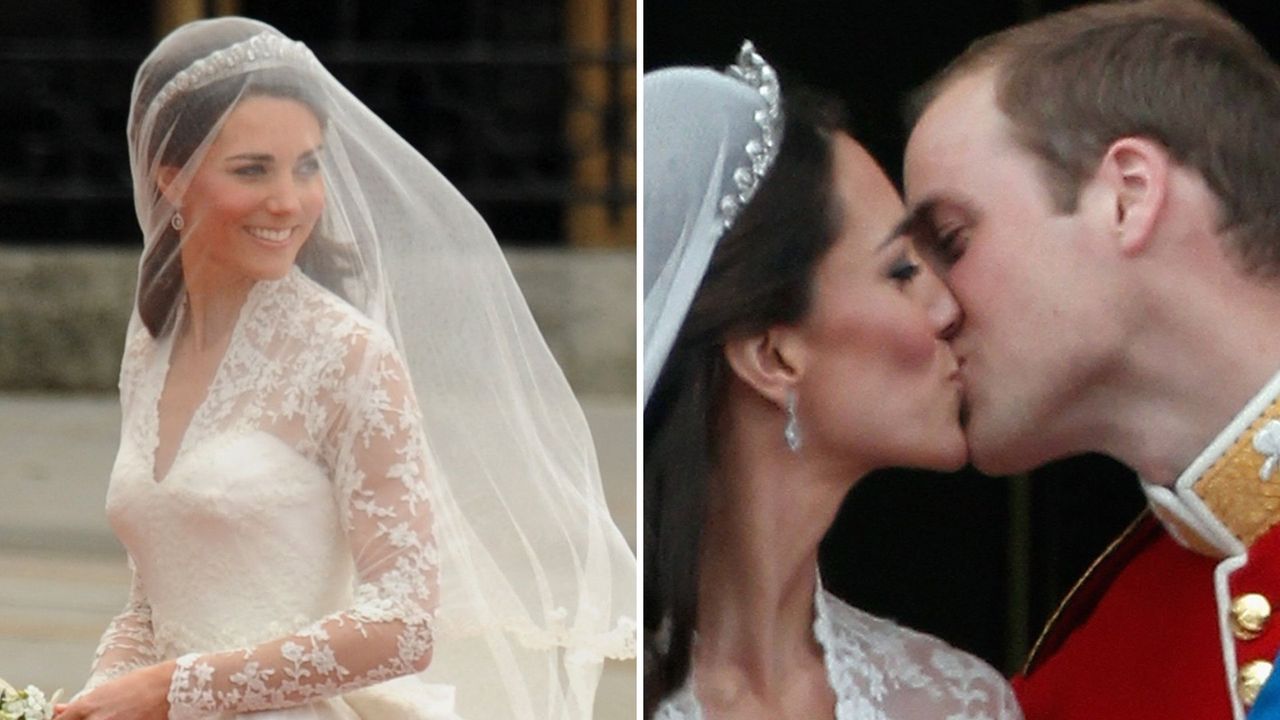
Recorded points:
1242,487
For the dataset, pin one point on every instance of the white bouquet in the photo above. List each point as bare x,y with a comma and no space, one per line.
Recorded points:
28,704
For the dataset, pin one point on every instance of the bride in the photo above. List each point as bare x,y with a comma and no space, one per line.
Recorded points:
793,343
347,456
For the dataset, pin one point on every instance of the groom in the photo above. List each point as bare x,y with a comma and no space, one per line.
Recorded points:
1101,191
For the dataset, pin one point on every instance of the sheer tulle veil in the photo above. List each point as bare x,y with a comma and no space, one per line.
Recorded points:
714,136
537,585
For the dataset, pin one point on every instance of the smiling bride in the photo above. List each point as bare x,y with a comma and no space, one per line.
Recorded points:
334,400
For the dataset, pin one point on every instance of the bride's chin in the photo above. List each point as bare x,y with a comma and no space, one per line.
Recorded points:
953,453
946,453
272,269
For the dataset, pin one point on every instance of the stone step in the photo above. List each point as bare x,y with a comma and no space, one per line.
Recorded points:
64,311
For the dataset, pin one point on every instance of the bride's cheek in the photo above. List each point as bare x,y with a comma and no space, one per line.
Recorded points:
315,203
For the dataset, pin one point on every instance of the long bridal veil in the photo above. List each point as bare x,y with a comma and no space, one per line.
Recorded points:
537,585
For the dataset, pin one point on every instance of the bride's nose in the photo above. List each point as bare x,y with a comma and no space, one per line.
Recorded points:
285,197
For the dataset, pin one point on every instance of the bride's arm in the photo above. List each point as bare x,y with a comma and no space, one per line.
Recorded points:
376,457
128,643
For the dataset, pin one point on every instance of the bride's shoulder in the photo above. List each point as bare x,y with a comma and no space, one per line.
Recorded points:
903,652
328,319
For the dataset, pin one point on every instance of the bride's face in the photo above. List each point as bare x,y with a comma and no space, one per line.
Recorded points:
258,192
878,384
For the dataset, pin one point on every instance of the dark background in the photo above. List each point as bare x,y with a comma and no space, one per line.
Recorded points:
482,88
981,562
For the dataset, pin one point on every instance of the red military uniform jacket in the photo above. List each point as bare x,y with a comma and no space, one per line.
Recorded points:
1175,620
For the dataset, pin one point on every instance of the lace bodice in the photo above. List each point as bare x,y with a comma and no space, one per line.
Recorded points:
287,555
882,671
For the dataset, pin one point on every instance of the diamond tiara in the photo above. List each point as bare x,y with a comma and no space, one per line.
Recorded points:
757,74
263,49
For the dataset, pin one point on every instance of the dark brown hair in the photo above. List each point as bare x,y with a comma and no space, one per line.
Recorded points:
760,275
1180,72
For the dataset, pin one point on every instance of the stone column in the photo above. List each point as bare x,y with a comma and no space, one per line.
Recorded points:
169,14
602,100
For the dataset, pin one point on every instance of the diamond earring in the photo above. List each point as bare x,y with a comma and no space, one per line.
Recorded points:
792,431
177,222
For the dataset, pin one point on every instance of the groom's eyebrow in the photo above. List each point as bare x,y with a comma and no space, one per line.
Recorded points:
913,221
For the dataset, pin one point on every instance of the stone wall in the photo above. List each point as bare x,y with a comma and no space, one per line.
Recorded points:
63,314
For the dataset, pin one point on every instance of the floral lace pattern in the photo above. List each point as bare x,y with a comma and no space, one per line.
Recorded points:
287,554
128,642
881,671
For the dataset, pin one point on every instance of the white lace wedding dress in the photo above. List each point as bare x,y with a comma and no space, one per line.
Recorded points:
286,557
882,671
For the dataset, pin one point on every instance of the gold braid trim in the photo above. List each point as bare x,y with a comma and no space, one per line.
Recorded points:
1233,487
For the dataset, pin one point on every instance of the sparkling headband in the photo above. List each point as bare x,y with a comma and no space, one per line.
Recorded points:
261,50
752,70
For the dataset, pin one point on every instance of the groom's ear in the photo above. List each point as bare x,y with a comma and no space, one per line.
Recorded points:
769,362
1135,171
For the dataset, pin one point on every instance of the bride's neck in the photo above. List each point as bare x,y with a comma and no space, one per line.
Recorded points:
213,304
767,510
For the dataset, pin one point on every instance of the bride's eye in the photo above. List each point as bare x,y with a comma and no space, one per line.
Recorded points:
254,170
903,270
308,167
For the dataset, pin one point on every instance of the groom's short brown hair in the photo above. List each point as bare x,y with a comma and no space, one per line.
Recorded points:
1177,71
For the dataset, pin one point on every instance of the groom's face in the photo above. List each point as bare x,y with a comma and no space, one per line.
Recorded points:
985,221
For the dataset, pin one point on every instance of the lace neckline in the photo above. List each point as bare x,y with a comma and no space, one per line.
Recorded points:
823,632
164,349
878,670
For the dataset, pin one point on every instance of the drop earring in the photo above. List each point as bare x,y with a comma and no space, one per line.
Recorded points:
177,222
792,431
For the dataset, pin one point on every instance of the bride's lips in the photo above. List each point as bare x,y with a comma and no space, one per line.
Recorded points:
274,237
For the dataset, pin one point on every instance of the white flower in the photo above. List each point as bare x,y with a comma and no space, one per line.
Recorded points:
324,661
1267,442
204,673
253,677
400,536
28,704
292,652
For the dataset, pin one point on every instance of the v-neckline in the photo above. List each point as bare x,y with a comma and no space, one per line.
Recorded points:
166,361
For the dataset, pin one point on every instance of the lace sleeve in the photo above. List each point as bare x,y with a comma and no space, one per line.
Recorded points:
128,643
376,454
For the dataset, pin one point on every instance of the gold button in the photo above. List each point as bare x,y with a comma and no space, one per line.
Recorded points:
1249,615
1253,675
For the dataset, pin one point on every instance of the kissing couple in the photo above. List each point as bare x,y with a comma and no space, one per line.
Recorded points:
1085,258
